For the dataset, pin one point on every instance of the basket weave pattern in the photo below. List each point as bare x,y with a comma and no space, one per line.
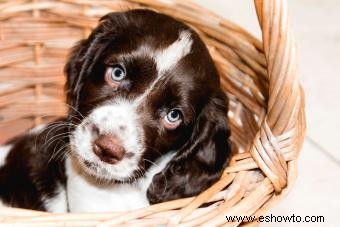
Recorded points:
266,102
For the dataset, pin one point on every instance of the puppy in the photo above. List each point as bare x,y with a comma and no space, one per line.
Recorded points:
147,123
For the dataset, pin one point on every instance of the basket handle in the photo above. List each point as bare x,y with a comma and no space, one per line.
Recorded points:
286,101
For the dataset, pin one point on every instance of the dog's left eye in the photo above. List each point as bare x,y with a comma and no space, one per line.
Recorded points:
118,73
172,119
114,75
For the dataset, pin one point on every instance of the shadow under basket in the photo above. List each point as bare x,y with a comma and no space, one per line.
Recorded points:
266,117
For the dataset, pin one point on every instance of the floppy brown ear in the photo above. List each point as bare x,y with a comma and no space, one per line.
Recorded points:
73,68
86,53
201,161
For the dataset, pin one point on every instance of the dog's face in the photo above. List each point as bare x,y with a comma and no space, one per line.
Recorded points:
141,85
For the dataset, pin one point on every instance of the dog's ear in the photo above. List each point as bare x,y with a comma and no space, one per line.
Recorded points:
72,70
86,53
201,161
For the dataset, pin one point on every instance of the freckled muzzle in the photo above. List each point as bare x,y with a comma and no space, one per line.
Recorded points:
116,144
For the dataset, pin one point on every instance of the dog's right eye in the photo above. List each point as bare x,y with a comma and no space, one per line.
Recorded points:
115,75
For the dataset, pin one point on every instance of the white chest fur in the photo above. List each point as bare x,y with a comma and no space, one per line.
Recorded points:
88,195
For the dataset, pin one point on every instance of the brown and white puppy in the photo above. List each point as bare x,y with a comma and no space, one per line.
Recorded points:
147,123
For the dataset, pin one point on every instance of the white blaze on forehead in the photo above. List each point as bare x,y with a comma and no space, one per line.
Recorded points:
167,58
170,56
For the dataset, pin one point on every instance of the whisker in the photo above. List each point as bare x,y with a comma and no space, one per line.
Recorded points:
154,149
58,152
51,128
77,111
68,151
43,130
55,138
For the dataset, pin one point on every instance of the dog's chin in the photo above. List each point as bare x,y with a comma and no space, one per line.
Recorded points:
100,171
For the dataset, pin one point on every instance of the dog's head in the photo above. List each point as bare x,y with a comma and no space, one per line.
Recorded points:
141,85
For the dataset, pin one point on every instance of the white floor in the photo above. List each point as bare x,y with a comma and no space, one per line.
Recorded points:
317,29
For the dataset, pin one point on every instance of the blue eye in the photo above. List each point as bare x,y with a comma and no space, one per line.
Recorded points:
118,73
173,116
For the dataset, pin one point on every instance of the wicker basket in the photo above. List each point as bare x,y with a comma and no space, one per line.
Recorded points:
266,102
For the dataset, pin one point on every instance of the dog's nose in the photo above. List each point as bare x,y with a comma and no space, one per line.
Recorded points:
108,149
